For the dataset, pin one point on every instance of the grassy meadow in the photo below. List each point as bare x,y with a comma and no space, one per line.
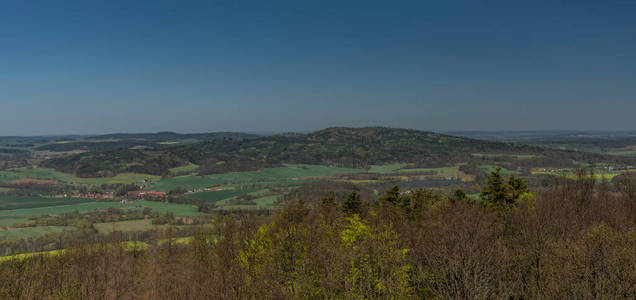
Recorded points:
127,226
290,172
50,174
161,207
30,232
215,196
386,168
14,202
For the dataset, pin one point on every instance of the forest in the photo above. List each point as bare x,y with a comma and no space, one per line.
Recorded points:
575,239
336,146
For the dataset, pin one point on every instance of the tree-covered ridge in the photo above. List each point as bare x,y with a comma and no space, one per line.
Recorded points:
127,140
337,146
108,163
363,147
351,147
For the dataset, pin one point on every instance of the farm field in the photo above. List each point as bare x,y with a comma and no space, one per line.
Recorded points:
161,207
444,171
504,171
497,155
623,152
127,226
449,173
288,172
386,168
267,200
9,221
571,173
30,232
15,202
187,168
215,196
50,174
28,255
128,246
254,193
626,151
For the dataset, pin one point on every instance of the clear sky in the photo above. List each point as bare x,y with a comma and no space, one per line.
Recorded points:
86,67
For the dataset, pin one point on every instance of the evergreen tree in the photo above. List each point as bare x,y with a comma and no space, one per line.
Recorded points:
495,190
353,203
329,199
500,194
517,187
392,195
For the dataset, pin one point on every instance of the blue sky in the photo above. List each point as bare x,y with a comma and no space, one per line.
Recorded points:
86,67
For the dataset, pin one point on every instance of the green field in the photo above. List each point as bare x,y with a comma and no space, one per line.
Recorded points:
496,155
267,200
386,168
187,168
443,172
287,173
127,226
255,193
504,171
215,196
627,151
13,202
160,207
186,182
9,221
50,174
571,173
30,232
597,176
623,152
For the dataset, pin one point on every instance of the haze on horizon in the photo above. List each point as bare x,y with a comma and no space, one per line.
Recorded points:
74,67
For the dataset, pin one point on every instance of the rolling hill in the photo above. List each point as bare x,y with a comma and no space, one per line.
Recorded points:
336,146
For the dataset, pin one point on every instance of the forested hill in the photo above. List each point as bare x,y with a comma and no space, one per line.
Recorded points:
351,147
167,135
147,140
338,146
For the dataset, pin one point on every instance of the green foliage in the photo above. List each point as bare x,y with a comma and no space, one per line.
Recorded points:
502,195
355,232
108,163
329,199
377,265
392,196
352,147
352,204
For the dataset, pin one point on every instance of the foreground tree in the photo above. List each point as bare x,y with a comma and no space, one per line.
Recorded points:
500,195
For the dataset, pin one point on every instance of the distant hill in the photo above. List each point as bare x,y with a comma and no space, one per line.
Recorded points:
337,146
167,135
107,163
352,147
146,140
